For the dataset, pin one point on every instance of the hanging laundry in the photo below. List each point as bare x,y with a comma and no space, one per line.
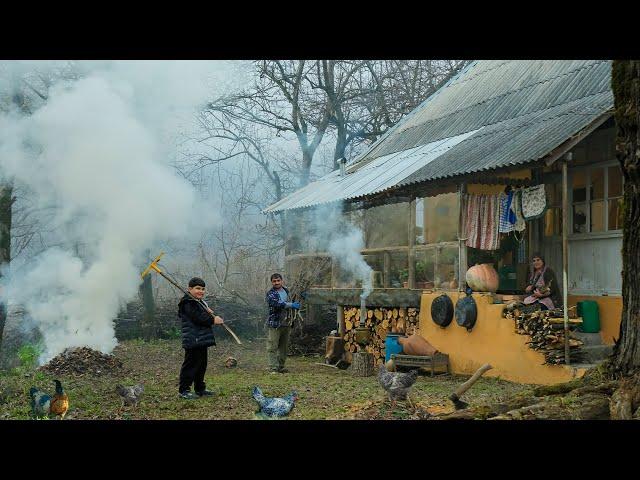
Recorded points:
534,202
506,225
516,208
482,221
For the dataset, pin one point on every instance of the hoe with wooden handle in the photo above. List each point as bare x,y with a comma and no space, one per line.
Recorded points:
154,266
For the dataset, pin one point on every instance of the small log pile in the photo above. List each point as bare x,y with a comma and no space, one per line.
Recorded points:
546,332
380,321
83,361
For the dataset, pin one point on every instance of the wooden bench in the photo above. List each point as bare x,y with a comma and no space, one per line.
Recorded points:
423,361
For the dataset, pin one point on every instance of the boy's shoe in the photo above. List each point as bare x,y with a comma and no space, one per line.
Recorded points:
206,393
187,396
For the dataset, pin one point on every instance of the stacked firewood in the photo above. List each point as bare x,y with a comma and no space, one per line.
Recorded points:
380,321
546,329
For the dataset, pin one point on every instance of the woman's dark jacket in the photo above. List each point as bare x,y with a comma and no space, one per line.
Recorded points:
197,324
550,281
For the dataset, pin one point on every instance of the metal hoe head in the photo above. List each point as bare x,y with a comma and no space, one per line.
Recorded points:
153,266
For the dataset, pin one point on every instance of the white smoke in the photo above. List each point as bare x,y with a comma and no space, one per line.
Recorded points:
99,150
344,241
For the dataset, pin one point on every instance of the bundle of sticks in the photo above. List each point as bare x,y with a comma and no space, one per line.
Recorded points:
546,331
301,281
380,321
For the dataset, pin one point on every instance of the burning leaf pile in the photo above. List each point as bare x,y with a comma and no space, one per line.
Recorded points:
83,361
546,329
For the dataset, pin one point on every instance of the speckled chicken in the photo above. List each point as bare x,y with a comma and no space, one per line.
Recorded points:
397,385
130,395
274,407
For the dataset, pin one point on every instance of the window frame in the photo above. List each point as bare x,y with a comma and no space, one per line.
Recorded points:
588,201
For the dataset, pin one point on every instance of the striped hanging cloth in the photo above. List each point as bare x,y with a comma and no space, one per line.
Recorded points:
482,221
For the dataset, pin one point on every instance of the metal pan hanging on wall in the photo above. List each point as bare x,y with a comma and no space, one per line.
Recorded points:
466,312
442,310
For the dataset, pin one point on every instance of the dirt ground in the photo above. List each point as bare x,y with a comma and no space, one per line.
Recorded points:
324,393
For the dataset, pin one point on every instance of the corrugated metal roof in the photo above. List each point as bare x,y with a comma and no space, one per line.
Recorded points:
503,113
381,174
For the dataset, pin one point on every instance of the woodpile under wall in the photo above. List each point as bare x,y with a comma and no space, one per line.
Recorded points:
380,322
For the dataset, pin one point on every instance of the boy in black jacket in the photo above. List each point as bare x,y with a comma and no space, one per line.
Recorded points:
197,335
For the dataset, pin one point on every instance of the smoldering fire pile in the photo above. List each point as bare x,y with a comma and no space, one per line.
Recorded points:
83,361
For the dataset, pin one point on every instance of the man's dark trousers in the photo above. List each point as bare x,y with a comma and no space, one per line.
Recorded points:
193,368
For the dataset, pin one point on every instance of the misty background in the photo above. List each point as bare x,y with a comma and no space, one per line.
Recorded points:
103,164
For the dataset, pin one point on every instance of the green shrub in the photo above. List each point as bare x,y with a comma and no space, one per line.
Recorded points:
28,354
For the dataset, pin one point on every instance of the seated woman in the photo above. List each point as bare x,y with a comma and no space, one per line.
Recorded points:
542,286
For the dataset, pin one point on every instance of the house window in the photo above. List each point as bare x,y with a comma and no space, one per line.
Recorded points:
596,199
437,219
387,225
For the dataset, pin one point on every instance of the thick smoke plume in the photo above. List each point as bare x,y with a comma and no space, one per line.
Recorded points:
99,152
336,235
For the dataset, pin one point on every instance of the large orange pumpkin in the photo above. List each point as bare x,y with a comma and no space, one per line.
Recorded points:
483,278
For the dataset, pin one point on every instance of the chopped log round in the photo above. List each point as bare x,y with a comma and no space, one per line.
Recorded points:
362,364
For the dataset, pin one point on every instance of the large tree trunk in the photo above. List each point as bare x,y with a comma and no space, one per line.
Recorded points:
626,90
6,201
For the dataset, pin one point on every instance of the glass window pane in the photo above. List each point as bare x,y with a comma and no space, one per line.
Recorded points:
387,226
597,183
424,268
419,221
446,270
578,182
597,216
398,270
615,214
440,218
580,218
615,182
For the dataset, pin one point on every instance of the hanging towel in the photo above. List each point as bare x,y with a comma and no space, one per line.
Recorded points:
482,221
534,202
506,225
516,208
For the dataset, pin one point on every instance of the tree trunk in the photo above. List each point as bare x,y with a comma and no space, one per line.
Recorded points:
626,89
149,327
6,201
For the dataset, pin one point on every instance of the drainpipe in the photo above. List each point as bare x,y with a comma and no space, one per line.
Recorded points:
565,254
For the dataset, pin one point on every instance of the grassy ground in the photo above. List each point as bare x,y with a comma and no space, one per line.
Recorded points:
324,393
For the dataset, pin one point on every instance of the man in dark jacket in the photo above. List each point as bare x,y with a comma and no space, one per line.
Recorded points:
197,321
278,329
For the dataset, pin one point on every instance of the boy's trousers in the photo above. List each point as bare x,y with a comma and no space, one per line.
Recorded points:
193,369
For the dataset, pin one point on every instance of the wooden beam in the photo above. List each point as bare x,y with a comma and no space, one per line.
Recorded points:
396,297
412,241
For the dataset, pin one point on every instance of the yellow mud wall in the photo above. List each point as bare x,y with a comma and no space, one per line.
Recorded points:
610,312
492,340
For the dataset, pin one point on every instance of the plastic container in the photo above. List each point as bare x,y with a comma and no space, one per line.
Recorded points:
588,310
391,345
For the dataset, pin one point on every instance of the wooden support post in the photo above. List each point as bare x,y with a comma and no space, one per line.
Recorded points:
386,274
565,255
412,242
462,245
